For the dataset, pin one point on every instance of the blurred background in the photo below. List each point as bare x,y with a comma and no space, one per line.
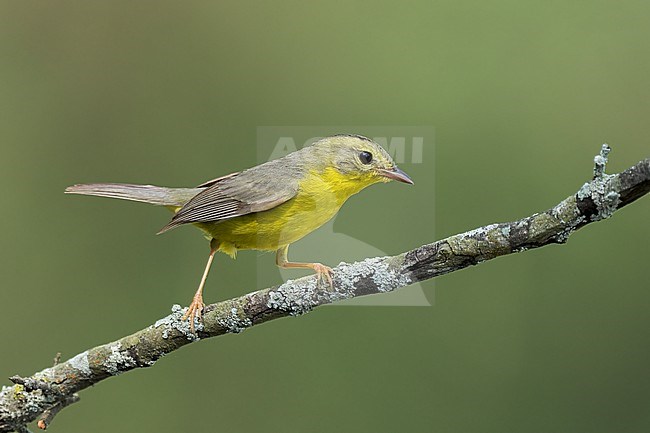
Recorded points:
520,94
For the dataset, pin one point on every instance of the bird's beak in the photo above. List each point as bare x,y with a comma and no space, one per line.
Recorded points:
396,174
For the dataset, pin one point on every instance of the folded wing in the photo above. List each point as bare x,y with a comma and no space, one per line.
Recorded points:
254,190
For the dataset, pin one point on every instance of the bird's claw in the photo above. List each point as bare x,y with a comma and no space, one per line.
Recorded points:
323,271
194,311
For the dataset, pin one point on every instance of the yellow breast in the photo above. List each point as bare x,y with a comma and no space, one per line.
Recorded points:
320,196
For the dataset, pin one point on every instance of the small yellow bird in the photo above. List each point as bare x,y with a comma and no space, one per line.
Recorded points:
269,206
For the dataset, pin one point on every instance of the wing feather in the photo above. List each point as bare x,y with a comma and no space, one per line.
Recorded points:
254,190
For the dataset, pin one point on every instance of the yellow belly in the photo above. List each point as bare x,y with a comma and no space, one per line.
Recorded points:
319,198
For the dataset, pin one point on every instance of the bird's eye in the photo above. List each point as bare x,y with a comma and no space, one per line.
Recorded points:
365,157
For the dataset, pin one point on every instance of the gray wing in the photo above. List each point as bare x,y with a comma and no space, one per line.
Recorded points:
254,190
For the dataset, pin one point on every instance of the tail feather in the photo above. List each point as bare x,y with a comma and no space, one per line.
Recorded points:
157,195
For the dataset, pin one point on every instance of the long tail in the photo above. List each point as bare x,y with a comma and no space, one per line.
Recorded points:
158,195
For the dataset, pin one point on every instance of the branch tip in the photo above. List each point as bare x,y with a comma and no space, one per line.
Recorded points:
600,161
47,416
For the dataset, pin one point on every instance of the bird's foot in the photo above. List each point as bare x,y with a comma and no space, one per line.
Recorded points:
323,272
194,311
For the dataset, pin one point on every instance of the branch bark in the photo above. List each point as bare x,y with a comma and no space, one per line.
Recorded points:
42,395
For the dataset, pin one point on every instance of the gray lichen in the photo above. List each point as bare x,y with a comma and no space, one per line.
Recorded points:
602,192
234,322
118,360
348,275
600,161
175,321
387,276
609,204
373,275
584,191
80,362
294,298
24,406
480,232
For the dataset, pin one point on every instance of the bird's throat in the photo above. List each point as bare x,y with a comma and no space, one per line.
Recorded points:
340,186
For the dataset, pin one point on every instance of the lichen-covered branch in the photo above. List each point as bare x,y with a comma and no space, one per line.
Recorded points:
40,396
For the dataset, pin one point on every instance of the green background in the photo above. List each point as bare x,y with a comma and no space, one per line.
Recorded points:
521,96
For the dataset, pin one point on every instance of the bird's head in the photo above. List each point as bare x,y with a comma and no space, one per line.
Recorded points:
360,159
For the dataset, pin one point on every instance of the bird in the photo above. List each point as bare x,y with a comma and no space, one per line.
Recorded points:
270,206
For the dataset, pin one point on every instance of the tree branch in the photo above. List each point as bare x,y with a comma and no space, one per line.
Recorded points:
42,395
